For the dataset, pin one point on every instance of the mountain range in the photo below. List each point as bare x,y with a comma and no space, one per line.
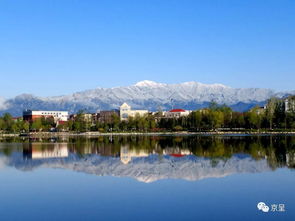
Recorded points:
145,95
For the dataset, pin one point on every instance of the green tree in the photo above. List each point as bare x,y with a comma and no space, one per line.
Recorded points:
26,126
115,122
37,125
254,118
8,122
2,124
270,110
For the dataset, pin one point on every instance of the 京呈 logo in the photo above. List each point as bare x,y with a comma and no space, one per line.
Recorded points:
274,207
263,207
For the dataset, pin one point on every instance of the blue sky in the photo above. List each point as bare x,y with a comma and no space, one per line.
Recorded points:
63,46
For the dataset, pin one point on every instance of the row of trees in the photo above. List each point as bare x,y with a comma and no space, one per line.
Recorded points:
18,125
216,117
138,123
273,116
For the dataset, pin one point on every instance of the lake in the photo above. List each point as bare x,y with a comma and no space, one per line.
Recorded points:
148,178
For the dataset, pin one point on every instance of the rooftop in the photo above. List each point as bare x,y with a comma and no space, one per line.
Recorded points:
177,110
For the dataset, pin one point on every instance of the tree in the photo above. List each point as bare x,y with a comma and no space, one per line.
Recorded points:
270,110
8,122
254,118
2,124
279,114
115,122
26,126
14,128
37,125
216,119
47,123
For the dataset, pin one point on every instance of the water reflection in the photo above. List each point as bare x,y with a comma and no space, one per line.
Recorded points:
126,154
149,159
45,150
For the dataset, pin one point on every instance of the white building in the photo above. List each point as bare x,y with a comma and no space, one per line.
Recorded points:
176,113
58,116
126,112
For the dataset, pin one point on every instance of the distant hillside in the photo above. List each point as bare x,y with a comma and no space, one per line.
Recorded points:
145,95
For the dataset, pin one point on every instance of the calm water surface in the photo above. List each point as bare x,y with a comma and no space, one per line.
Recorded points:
147,178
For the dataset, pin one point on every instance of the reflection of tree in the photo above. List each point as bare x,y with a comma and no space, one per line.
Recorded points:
278,150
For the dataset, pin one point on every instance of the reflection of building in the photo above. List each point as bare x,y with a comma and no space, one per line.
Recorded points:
45,150
176,152
126,154
126,112
58,116
290,159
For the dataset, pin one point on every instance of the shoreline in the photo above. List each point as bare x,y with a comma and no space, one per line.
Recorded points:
184,133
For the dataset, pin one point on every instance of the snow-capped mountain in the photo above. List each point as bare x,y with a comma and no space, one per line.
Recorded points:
144,95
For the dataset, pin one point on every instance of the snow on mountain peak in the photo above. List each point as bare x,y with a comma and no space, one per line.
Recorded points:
147,83
192,83
24,96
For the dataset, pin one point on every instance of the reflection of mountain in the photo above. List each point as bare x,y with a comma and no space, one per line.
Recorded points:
148,159
145,168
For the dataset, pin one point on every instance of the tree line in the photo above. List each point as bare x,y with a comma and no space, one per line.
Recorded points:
215,117
279,151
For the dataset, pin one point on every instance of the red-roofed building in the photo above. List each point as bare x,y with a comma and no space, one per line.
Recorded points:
177,110
176,113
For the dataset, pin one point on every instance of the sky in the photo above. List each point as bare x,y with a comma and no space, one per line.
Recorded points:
57,47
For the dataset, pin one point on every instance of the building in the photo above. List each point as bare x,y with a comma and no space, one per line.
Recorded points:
86,117
58,116
176,113
290,104
258,110
107,116
126,112
16,119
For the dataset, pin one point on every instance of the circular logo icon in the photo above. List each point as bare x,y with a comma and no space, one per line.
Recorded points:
260,205
263,207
